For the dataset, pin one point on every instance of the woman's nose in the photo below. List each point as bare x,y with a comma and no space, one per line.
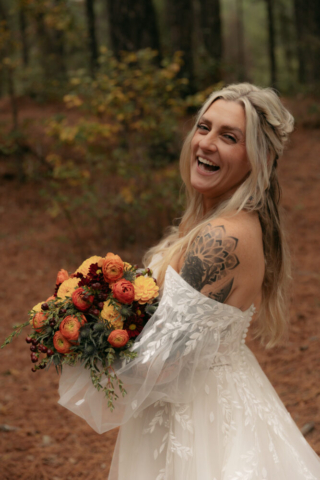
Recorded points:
208,143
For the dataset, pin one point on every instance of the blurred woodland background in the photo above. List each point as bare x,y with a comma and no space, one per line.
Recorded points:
96,97
99,89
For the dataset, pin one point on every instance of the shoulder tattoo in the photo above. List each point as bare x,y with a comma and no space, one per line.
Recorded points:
211,256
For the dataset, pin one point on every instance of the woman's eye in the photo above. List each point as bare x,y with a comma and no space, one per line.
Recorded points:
202,127
230,137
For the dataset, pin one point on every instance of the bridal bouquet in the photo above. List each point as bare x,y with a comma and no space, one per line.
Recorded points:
93,317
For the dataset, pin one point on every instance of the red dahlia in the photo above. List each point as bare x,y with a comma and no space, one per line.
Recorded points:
133,326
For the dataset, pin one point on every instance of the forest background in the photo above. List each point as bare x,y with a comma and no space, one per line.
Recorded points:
96,97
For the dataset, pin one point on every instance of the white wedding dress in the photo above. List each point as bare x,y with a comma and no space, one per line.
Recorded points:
198,406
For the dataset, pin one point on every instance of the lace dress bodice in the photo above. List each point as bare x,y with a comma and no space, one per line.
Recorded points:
198,316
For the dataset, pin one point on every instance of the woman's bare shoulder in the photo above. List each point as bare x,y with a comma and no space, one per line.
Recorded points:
244,227
225,257
243,223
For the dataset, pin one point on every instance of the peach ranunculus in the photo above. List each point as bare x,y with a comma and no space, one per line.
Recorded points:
67,288
38,321
70,328
145,290
112,267
52,297
123,290
84,267
112,315
118,338
61,344
62,276
79,302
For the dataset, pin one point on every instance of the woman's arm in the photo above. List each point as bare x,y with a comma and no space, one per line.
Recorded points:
174,353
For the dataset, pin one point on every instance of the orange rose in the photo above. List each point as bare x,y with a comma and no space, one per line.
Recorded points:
69,328
79,302
112,267
60,343
118,338
123,290
38,321
62,276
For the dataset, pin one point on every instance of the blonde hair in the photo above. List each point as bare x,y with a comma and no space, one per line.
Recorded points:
268,125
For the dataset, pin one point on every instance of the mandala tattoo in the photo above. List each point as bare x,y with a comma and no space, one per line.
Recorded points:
223,294
209,259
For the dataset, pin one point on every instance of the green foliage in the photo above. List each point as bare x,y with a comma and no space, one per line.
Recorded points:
131,103
123,133
17,329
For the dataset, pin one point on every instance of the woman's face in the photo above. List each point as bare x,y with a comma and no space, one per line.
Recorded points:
219,161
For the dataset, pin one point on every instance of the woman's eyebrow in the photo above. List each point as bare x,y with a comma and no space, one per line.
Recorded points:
228,127
223,127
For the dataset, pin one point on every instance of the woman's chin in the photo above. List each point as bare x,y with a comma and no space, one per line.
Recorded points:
201,185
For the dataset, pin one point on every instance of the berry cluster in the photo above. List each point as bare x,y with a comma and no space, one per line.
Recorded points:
36,347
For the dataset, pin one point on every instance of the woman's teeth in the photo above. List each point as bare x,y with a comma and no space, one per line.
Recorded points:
206,165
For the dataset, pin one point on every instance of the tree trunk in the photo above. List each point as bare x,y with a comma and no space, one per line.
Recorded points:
52,50
300,19
133,25
307,17
240,38
179,15
3,52
59,49
92,39
23,35
210,22
315,9
271,42
287,37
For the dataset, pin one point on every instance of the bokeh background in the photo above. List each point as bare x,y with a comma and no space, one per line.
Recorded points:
95,99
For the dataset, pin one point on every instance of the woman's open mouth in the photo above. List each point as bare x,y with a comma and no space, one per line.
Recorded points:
206,166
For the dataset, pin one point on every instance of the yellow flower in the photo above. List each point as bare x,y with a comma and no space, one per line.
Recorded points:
37,308
127,266
145,290
127,195
84,267
67,288
112,315
68,134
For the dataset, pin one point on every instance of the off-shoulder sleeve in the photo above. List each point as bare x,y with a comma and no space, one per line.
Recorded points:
174,353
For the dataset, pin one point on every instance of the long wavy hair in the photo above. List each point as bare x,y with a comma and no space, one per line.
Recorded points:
268,125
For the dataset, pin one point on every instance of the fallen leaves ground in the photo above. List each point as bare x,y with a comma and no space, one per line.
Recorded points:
47,442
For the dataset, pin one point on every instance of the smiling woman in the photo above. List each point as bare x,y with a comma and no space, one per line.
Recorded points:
198,405
219,162
242,130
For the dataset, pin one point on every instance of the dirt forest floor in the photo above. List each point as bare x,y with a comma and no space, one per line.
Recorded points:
39,440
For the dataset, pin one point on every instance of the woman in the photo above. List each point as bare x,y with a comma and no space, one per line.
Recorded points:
198,405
